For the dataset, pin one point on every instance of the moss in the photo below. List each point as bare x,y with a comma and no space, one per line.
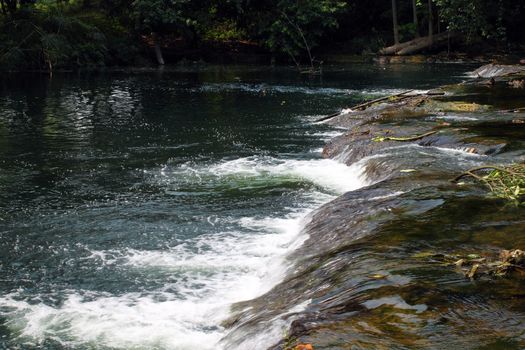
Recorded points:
455,106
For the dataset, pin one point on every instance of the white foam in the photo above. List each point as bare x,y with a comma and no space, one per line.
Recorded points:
457,118
129,321
463,152
216,270
276,329
346,110
390,195
269,89
326,173
204,276
328,135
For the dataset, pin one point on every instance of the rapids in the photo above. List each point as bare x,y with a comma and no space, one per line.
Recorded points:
193,209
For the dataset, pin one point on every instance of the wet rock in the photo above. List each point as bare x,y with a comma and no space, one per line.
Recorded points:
384,266
398,108
354,146
490,82
364,290
496,70
516,83
376,139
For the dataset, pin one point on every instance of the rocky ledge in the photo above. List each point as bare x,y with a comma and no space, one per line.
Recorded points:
391,265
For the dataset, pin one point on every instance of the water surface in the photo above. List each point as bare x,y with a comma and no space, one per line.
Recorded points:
137,207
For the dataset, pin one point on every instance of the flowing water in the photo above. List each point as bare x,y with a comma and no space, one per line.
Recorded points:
136,208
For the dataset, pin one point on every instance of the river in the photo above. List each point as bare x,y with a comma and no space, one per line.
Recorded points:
137,207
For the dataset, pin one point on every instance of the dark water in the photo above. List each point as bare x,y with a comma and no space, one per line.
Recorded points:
136,207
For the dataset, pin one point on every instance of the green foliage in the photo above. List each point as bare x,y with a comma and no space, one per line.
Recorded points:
506,182
463,16
43,34
294,26
161,15
115,41
224,31
46,37
475,17
407,31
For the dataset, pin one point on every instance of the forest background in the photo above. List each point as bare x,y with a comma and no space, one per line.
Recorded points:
58,34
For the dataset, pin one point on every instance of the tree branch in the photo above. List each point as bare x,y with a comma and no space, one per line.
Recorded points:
302,36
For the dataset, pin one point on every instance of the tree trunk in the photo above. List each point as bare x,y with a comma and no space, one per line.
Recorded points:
414,13
438,20
158,51
418,46
394,19
430,22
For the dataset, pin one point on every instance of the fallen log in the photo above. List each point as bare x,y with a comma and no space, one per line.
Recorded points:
395,48
428,42
417,44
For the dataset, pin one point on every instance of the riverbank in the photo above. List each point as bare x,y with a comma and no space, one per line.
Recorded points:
371,273
181,53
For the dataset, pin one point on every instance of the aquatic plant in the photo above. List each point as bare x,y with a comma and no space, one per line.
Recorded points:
506,182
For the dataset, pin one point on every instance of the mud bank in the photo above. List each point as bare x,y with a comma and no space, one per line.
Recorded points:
359,280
